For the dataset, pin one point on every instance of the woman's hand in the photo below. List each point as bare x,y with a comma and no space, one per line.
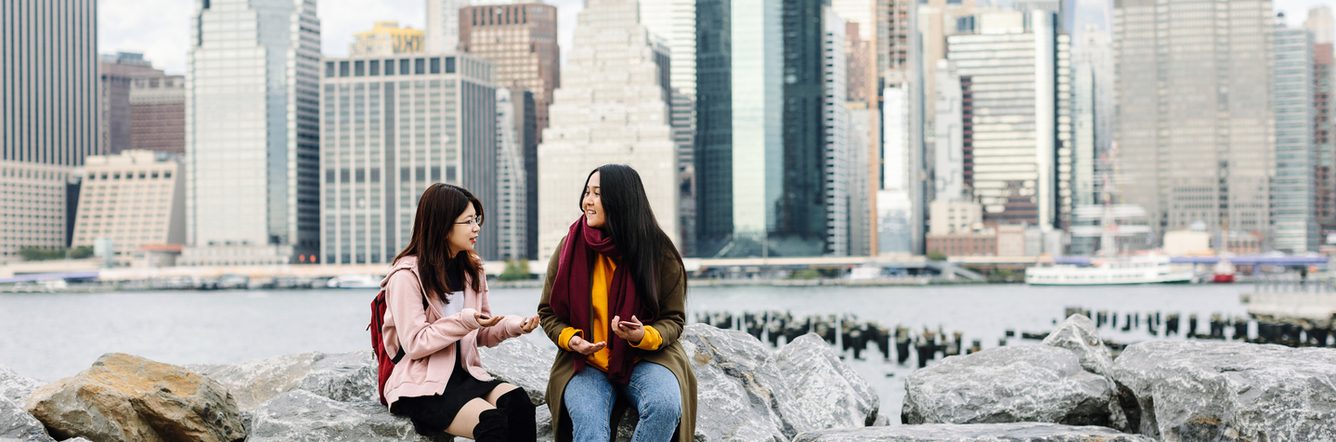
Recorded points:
485,320
529,324
632,331
581,346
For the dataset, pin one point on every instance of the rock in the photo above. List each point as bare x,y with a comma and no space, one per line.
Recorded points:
1020,431
15,387
17,424
303,415
522,363
1078,334
1026,383
1197,390
125,397
734,400
341,377
817,390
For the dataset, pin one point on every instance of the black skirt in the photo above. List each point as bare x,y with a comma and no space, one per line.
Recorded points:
432,414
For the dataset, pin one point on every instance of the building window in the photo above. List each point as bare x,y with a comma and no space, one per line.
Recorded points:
343,69
435,65
419,66
449,65
374,68
403,66
329,69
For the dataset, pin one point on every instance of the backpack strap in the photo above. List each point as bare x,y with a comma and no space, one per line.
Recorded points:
425,305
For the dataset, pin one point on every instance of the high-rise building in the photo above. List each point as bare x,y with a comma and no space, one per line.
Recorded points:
520,40
948,134
390,127
49,80
387,38
515,140
613,108
1018,119
253,133
1093,109
1195,135
896,24
1319,23
443,25
132,199
900,172
836,174
673,24
158,114
49,118
714,126
1293,221
860,195
799,230
757,148
117,73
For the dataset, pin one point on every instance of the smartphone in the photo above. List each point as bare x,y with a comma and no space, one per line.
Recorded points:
629,324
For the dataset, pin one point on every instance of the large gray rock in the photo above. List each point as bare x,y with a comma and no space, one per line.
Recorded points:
732,402
125,397
1026,383
1020,431
15,422
1078,334
341,377
1195,390
522,363
817,390
300,415
14,386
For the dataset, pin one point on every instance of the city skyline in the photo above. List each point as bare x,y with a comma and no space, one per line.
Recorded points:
137,25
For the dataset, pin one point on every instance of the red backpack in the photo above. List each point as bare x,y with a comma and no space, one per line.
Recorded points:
384,362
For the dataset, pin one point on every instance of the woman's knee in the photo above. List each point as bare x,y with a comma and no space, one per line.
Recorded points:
662,406
516,399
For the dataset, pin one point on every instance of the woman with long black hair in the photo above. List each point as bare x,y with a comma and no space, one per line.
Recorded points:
614,303
437,313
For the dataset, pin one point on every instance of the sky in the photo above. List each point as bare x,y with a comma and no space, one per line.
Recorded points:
160,29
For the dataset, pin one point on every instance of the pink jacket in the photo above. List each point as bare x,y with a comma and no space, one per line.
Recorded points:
427,337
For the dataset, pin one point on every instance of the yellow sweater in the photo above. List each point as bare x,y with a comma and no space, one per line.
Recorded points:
601,327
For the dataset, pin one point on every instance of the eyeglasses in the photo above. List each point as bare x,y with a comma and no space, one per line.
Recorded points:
474,221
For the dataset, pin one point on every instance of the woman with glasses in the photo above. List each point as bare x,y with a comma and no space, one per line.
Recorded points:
437,313
614,303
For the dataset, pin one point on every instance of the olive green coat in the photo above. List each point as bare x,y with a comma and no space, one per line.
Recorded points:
671,322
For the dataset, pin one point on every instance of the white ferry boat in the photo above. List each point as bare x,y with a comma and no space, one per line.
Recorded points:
353,282
1110,271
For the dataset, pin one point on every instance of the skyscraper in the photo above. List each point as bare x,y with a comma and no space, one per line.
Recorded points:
49,80
757,63
949,162
520,40
1017,74
158,113
443,25
1293,222
1195,136
117,73
515,139
613,108
390,127
673,23
387,38
799,230
132,199
836,174
714,126
1324,118
48,118
252,133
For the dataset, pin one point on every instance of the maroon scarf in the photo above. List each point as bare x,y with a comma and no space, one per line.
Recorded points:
571,293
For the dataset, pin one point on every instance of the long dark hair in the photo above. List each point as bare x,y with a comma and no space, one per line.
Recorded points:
630,221
437,209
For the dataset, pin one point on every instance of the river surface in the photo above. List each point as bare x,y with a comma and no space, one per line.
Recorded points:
49,336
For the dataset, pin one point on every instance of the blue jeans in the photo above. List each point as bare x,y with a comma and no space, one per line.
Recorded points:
653,391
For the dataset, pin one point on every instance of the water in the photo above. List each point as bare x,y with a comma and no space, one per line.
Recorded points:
49,336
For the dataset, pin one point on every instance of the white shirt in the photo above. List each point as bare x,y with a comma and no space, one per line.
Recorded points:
455,305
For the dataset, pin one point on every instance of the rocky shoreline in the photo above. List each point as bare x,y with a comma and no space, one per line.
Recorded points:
1067,389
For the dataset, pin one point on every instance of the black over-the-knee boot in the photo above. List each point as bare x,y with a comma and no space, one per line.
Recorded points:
520,412
492,426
